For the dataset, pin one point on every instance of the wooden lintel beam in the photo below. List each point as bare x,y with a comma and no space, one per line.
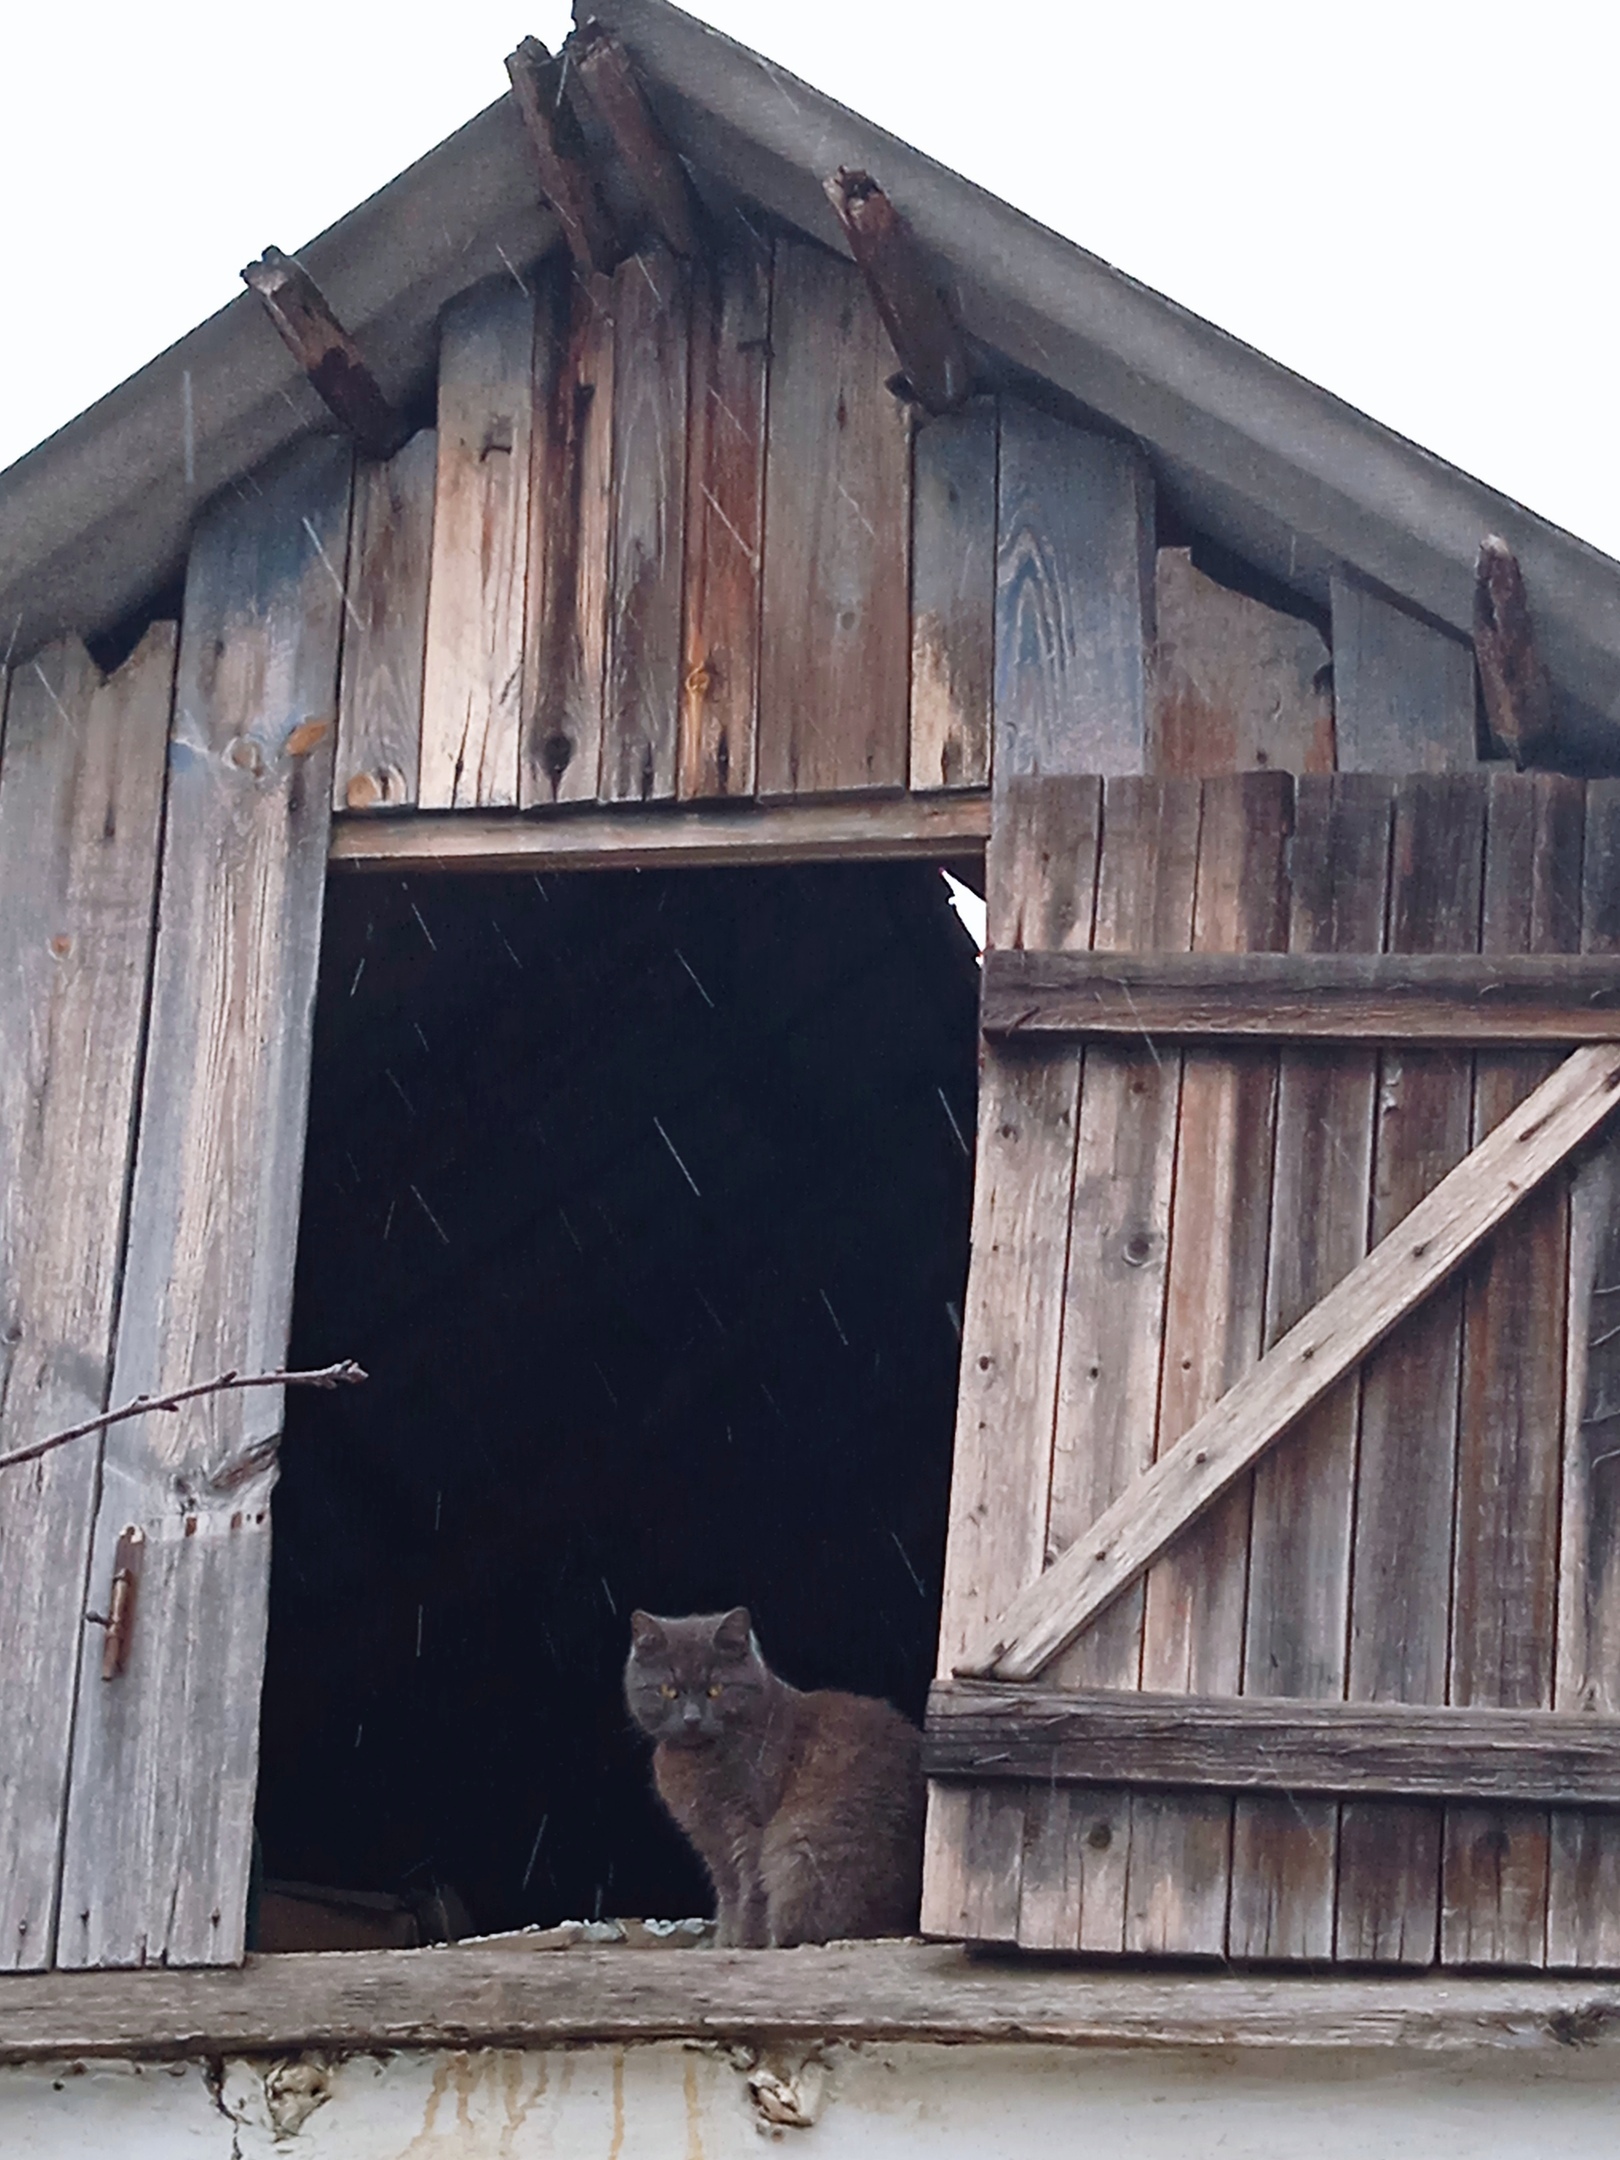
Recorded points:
1331,1339
1257,1743
1512,679
932,828
326,352
1305,997
931,349
609,81
539,87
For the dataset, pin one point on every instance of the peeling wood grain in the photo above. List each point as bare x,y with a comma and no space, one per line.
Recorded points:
156,1856
725,512
81,795
953,597
651,339
472,690
834,660
385,637
570,536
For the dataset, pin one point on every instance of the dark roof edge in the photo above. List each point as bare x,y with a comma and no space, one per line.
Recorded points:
1281,470
98,516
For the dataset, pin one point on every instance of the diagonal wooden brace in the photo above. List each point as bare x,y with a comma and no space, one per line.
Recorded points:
1416,1257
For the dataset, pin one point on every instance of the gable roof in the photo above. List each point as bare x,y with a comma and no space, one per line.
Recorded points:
1282,472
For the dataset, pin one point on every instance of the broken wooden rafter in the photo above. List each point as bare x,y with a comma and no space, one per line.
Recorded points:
1330,1340
539,87
931,349
1518,696
326,353
610,82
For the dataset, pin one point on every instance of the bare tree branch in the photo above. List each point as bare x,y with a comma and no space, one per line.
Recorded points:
345,1373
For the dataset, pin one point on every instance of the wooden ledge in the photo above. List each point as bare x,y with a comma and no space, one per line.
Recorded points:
479,1995
850,828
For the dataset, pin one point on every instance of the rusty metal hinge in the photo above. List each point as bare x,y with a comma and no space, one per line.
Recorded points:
119,1618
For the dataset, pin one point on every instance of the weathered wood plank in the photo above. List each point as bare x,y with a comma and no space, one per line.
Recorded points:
1284,1852
1041,882
379,745
473,679
725,508
1074,594
164,1760
1192,1636
1237,686
81,795
835,620
570,532
1583,1899
1113,1327
953,597
1270,1744
1423,1250
1510,998
651,349
1401,1565
1509,1450
1119,1231
944,828
1403,693
500,1995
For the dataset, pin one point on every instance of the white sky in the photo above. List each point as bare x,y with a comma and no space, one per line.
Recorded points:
1410,201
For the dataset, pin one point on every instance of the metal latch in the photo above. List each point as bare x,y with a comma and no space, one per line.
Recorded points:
119,1618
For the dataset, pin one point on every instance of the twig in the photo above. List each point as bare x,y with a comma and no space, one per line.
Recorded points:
345,1373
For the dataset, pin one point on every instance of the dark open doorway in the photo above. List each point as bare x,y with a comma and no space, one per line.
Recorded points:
644,1199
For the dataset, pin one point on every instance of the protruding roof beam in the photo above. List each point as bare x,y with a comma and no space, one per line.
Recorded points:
932,351
1518,696
604,69
539,86
326,353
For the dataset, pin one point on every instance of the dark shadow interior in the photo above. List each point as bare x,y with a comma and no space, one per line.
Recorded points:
643,1197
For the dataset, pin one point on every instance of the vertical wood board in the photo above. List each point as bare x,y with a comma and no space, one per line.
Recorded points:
835,625
651,342
1387,1900
953,597
725,513
165,1757
1285,1851
379,747
1237,686
473,681
1403,692
1074,599
570,531
81,796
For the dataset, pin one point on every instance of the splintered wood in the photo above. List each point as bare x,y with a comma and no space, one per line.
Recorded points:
1421,1522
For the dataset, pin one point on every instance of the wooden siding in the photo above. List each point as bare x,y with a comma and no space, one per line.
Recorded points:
1400,1546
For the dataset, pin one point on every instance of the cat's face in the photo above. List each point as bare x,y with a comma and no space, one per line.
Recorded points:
689,1682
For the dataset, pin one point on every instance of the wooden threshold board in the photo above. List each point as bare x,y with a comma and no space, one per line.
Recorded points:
496,1994
1266,1743
851,829
1468,998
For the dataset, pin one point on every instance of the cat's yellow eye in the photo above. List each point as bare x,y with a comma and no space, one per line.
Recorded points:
713,1692
669,1691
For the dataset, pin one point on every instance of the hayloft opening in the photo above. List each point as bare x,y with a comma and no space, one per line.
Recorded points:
643,1197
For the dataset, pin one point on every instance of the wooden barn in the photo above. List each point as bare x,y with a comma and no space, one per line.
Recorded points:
1175,1355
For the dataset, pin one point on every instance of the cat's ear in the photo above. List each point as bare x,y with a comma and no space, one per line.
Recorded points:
645,1633
735,1631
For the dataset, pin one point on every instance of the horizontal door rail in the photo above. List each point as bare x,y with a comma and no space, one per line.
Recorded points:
1306,997
1256,1743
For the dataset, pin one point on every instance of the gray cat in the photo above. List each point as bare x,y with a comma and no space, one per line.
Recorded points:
807,1810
